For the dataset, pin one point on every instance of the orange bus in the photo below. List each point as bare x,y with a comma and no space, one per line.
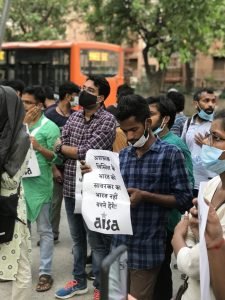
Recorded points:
53,62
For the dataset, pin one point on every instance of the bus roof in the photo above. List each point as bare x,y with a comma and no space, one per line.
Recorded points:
59,44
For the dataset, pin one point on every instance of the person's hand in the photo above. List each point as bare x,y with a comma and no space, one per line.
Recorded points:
131,297
31,115
84,167
57,174
35,144
199,139
213,231
182,227
194,223
135,196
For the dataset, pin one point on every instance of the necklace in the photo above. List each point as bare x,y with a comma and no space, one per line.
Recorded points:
62,112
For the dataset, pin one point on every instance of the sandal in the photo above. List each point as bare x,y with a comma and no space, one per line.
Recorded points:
45,283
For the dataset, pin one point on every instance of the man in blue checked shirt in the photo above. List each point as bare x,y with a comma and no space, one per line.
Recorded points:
157,181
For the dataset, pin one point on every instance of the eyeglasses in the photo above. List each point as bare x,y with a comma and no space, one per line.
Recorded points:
28,102
214,138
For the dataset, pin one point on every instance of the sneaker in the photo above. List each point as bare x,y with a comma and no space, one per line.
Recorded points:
90,276
96,294
72,288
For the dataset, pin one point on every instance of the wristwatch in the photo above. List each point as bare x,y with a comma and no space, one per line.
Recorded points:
58,148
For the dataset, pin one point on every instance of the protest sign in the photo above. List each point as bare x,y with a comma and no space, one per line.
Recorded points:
203,209
106,203
78,189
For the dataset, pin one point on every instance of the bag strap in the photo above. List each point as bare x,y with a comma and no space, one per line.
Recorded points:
188,123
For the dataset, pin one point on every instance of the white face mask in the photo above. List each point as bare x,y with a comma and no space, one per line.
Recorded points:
75,101
159,129
143,139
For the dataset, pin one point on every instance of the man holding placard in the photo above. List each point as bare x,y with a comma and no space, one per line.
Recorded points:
38,189
91,128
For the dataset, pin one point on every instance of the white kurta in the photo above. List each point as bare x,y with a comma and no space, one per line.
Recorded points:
10,252
188,258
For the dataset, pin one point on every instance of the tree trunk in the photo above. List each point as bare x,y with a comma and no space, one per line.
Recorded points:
189,78
155,78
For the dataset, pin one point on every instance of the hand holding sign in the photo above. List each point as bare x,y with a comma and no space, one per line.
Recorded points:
106,204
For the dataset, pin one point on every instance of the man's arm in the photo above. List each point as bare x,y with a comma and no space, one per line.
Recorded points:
181,193
137,196
69,151
102,138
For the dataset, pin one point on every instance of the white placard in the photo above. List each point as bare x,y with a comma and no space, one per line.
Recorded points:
203,209
78,189
33,169
106,203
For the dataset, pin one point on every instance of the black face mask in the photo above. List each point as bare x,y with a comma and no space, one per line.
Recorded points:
86,99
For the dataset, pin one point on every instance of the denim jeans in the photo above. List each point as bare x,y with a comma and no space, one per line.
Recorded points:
44,228
56,207
79,237
100,245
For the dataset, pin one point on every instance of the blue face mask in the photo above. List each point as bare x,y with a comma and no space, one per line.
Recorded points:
210,159
158,130
203,115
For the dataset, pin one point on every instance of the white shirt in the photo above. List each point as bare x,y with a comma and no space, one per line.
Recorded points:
200,173
188,258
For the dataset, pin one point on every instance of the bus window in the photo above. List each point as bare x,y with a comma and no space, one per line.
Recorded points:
99,62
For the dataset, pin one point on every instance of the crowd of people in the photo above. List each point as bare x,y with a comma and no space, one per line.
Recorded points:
163,155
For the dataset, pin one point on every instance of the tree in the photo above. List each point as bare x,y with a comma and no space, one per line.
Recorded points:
166,27
37,20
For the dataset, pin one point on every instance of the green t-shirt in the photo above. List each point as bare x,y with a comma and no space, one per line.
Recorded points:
38,190
171,138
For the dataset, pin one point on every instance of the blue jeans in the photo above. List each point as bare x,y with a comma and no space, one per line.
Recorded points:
44,228
100,245
78,234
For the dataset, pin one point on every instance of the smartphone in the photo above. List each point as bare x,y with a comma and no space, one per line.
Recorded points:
114,275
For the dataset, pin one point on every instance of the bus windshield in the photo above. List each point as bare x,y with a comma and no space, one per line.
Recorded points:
99,62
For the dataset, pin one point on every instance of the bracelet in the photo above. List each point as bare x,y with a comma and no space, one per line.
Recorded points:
218,245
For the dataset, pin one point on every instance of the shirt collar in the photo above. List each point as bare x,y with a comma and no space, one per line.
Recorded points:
96,115
155,147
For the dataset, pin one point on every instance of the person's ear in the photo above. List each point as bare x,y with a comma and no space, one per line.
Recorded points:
196,105
101,98
166,120
149,122
40,106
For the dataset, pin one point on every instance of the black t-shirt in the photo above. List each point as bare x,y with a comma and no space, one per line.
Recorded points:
55,117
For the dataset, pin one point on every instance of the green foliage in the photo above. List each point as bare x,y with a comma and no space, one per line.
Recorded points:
165,26
37,20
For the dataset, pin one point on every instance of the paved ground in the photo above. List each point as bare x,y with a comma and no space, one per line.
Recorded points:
62,267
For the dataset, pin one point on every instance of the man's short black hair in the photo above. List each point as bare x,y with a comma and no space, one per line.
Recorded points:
37,91
124,90
197,95
49,92
68,88
165,107
16,84
178,99
101,83
133,106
